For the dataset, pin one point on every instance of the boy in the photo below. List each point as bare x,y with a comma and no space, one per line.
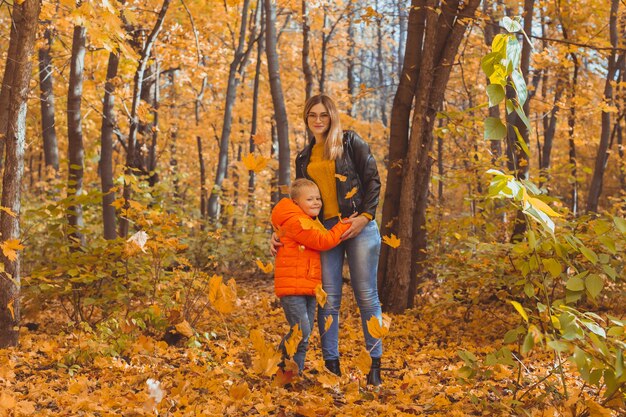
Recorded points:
298,267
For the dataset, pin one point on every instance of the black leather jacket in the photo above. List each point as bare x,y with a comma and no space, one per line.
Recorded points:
358,166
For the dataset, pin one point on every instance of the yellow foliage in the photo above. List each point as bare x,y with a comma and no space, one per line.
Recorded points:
254,163
221,296
320,295
376,329
364,361
10,247
239,391
266,363
8,211
291,344
265,268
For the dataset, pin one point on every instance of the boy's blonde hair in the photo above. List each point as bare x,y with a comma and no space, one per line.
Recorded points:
298,185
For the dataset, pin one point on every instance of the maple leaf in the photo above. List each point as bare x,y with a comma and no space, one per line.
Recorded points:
239,391
259,139
254,163
265,268
376,329
341,178
328,323
8,211
320,295
351,192
392,241
364,361
308,223
291,344
221,296
184,328
10,247
268,358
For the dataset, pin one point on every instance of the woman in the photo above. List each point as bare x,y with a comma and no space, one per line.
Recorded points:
342,166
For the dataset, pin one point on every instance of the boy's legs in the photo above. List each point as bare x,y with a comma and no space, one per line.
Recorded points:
299,309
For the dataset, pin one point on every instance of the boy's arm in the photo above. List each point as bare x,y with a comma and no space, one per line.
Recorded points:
317,238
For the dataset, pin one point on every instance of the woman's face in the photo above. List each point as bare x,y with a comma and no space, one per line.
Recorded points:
318,120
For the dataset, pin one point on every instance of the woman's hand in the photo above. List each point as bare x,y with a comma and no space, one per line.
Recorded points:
357,223
275,244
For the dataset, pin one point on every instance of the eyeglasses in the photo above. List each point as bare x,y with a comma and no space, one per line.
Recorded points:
324,117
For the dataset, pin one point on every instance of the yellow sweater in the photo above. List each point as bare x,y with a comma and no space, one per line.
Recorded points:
322,171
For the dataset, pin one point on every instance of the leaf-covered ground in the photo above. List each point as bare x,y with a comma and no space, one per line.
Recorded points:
64,370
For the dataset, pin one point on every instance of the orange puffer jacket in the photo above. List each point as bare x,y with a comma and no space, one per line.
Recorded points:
298,267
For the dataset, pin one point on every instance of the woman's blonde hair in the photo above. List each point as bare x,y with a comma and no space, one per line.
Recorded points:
333,147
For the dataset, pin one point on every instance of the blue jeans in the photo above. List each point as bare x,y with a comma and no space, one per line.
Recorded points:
363,252
300,310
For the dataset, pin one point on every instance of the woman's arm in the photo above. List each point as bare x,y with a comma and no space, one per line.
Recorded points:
366,169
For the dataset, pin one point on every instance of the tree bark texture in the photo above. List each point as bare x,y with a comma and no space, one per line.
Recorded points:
278,99
21,47
106,149
5,89
443,33
255,110
237,68
75,148
48,125
306,49
131,146
602,156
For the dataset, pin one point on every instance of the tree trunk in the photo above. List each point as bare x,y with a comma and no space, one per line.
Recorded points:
152,159
306,48
204,195
106,149
235,73
549,129
275,193
382,89
21,47
351,70
278,100
402,25
131,145
399,133
443,34
5,90
48,129
595,188
75,150
255,110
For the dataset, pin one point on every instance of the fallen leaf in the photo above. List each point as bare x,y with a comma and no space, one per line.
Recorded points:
364,361
265,268
239,391
185,329
328,323
376,329
291,344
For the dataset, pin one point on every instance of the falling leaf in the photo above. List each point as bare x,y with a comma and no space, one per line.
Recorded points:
341,178
239,391
351,192
392,241
320,295
259,139
10,307
308,223
265,268
8,211
364,361
10,248
376,329
291,344
328,323
184,328
140,238
221,296
268,358
254,163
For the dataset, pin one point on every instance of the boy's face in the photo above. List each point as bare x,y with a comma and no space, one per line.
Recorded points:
309,201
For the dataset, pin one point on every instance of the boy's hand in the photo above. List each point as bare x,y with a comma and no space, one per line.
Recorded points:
357,223
274,244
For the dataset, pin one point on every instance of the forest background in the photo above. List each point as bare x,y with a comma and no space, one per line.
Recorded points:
144,143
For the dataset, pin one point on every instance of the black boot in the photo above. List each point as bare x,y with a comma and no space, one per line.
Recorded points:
333,366
373,378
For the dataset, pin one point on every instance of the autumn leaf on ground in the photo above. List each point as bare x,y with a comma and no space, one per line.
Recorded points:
376,329
320,295
341,178
254,163
328,379
184,328
239,391
392,241
8,211
596,410
364,361
291,344
221,296
265,268
10,248
351,193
